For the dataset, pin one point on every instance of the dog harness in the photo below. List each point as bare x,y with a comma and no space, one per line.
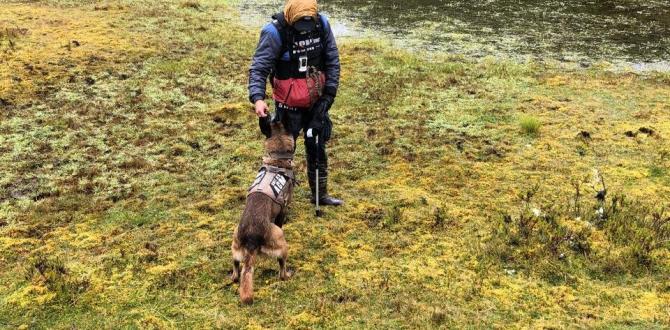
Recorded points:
275,182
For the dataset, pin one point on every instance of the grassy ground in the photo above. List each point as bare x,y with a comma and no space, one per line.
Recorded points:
127,145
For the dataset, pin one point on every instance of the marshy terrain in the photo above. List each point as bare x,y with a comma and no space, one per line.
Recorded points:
629,33
481,192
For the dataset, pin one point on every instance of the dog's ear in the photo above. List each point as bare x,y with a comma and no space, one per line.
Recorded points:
282,121
277,123
265,125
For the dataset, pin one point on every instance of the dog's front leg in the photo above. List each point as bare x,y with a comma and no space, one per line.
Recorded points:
283,273
237,258
280,219
236,272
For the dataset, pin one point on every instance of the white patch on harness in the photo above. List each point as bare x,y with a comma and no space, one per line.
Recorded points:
278,184
259,178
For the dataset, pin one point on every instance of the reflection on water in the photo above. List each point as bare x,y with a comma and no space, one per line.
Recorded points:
634,31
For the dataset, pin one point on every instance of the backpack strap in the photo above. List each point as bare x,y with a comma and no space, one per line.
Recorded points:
322,28
279,21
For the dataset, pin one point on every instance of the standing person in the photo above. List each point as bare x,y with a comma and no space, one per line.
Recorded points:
297,51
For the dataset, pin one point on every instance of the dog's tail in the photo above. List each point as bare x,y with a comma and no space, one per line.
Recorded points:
247,280
252,241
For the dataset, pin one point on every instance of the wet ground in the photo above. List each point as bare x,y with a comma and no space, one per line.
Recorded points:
633,32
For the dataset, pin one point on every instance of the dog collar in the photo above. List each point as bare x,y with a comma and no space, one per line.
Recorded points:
281,155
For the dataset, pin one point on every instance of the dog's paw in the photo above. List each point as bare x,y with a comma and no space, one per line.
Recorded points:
235,278
286,275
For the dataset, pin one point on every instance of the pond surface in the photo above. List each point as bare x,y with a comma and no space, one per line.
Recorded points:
636,32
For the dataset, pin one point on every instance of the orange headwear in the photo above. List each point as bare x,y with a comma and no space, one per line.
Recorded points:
297,9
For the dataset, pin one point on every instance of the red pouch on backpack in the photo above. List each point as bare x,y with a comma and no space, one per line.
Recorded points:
298,93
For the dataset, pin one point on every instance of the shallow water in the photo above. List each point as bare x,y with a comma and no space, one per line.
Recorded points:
629,32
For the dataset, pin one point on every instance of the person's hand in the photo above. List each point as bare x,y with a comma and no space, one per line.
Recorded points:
261,109
320,113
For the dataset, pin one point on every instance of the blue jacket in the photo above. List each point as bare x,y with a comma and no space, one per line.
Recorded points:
267,53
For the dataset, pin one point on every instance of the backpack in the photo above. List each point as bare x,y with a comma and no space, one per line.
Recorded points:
287,32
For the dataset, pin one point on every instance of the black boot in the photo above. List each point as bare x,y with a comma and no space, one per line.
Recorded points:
324,198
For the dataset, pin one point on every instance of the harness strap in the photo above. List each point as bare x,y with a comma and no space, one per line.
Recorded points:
285,172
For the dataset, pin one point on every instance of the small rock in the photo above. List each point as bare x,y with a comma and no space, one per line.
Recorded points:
630,134
600,212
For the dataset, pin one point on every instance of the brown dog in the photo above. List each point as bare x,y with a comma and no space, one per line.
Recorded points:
265,211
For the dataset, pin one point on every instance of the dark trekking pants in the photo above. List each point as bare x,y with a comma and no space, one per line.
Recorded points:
296,120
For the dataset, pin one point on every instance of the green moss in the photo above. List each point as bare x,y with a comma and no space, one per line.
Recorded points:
530,125
657,171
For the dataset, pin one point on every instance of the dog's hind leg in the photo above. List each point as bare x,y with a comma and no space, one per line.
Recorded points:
277,247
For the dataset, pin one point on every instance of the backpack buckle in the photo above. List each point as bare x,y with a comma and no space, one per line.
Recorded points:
302,64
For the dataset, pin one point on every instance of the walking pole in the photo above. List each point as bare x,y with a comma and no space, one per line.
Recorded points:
317,197
318,209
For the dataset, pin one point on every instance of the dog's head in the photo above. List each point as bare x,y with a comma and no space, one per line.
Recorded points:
278,140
